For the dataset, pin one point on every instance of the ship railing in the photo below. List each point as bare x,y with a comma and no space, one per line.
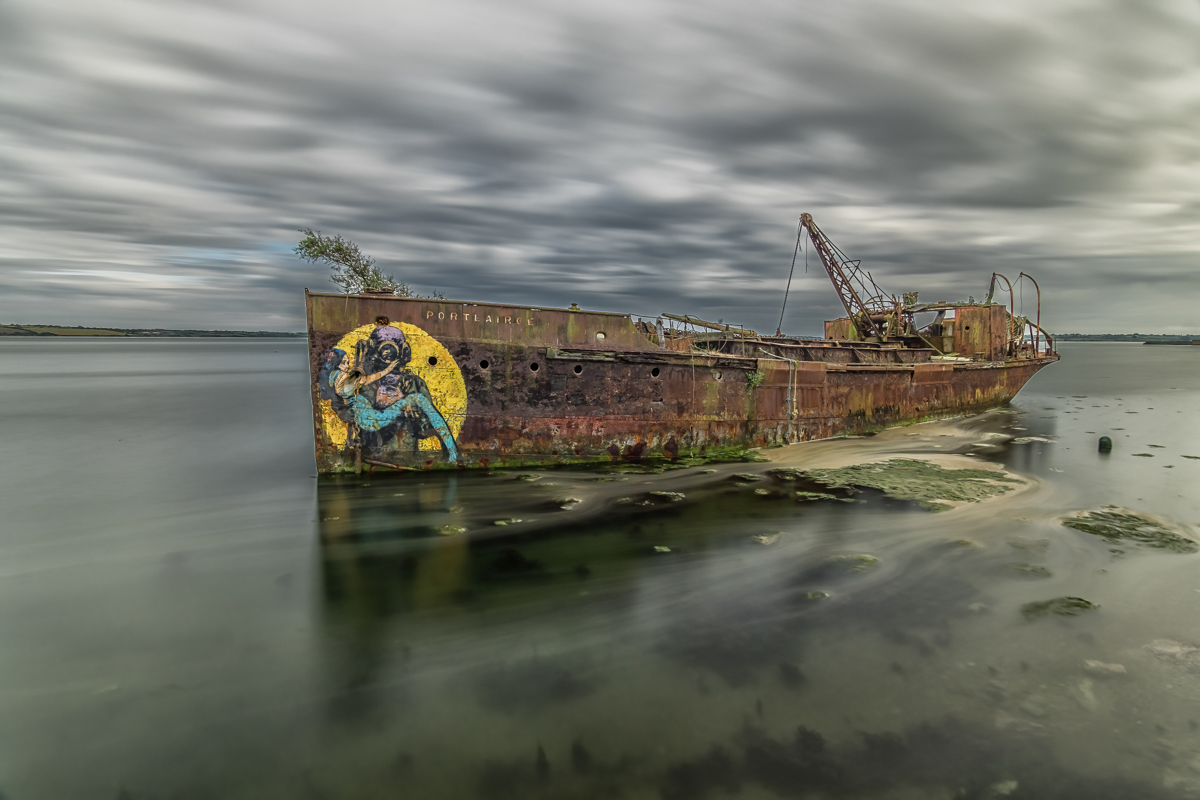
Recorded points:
1035,341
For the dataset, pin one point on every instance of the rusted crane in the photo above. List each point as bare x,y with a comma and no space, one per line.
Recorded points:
875,313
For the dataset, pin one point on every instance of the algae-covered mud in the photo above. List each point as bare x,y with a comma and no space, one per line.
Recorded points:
1117,525
929,485
1062,606
186,612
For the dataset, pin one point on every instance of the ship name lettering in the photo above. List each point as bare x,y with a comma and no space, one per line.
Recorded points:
453,315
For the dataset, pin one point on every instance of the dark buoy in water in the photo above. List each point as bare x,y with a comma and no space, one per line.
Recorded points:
1105,444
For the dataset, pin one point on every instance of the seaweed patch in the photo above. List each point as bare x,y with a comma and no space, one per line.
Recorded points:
928,484
1115,524
1030,570
1060,606
855,562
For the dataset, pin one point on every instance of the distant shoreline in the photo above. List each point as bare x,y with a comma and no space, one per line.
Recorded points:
1144,338
169,333
138,333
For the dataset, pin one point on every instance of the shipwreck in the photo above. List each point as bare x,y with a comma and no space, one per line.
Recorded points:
404,383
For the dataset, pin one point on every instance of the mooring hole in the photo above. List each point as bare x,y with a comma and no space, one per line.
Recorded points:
578,368
533,367
483,364
433,361
654,372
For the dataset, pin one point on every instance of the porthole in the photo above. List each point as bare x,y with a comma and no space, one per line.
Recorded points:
654,372
483,364
599,336
433,361
533,367
578,368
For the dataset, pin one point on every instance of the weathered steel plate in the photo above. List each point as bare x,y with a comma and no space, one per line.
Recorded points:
433,384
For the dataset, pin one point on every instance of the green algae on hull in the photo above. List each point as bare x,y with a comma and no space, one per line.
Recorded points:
1115,524
920,481
696,457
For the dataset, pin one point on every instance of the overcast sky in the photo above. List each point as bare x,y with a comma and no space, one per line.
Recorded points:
157,159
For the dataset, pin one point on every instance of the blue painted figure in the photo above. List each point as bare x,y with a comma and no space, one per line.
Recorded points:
381,396
335,359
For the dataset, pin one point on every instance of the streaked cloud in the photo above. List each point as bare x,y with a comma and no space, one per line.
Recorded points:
626,156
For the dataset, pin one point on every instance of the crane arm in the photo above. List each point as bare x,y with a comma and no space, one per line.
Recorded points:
868,316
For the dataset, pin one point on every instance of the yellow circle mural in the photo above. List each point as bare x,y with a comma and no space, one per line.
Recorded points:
447,389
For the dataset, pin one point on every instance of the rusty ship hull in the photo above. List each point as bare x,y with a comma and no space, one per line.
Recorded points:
493,385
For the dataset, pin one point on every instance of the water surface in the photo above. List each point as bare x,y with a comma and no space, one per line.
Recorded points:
186,611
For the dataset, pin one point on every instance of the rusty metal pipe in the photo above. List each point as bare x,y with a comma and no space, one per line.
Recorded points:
716,326
992,290
375,463
1038,326
1011,299
791,398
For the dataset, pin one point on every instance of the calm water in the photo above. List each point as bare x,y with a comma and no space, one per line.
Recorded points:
186,612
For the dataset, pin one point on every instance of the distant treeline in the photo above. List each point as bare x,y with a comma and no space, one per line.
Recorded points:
1124,337
78,330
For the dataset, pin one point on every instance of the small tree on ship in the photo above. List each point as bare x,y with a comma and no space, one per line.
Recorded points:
351,270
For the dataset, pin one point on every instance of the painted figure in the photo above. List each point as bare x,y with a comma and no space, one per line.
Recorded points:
335,359
379,394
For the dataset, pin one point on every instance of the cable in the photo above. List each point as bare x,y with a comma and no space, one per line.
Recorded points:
799,231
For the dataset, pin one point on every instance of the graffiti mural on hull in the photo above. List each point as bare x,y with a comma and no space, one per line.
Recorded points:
391,388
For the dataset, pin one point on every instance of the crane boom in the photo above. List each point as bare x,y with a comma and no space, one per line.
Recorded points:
869,316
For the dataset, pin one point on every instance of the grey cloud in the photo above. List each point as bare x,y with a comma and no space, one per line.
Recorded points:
632,158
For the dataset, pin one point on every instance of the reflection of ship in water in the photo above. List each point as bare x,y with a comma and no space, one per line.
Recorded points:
392,544
382,542
395,546
349,508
